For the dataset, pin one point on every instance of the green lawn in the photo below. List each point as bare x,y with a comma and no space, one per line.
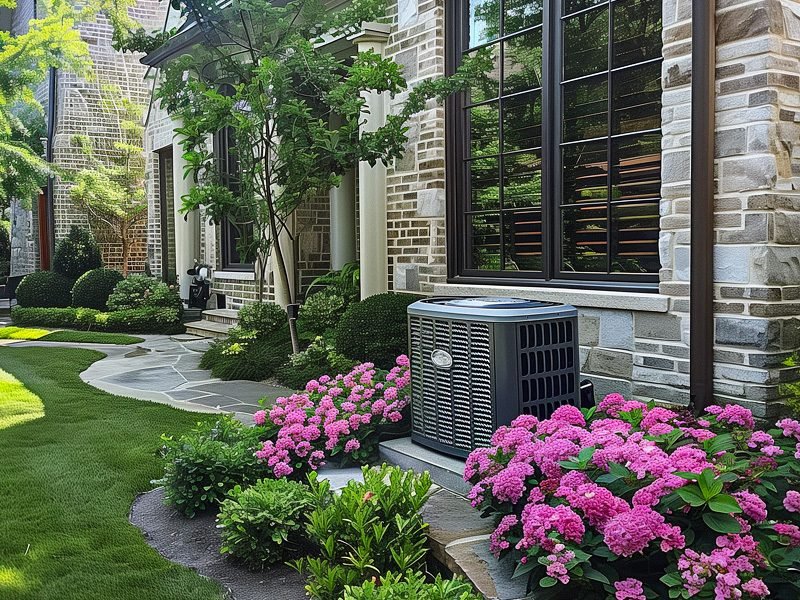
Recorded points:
76,337
67,481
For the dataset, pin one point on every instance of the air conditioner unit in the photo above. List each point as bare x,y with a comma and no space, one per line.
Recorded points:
477,363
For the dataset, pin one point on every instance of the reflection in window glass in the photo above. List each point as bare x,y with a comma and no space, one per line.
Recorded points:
635,235
585,239
522,122
522,62
484,129
484,21
586,109
586,43
522,240
637,31
637,98
484,238
485,184
585,172
571,6
522,180
487,86
521,14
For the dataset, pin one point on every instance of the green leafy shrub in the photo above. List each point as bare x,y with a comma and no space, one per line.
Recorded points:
245,355
320,313
320,358
346,282
141,320
44,289
94,287
140,291
262,524
77,253
5,248
262,317
370,529
412,586
201,466
137,320
375,329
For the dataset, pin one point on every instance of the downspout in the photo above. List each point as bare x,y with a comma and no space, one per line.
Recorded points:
701,311
52,114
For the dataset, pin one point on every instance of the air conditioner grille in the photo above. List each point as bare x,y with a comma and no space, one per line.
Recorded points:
547,366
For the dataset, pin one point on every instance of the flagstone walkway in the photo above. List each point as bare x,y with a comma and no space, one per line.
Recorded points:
167,369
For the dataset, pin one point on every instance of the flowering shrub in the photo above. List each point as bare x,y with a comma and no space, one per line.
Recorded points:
338,416
631,501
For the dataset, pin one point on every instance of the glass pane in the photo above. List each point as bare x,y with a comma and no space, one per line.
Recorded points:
484,176
522,122
484,22
522,239
585,168
586,43
487,85
637,31
484,239
586,109
637,98
522,62
522,180
635,235
584,235
636,170
521,14
571,6
484,129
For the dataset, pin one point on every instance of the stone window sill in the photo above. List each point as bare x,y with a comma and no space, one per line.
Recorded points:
578,298
234,275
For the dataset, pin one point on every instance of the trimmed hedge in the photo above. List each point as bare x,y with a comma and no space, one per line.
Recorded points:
137,320
44,289
375,329
94,287
77,253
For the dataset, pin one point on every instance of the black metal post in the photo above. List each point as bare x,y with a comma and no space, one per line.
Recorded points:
701,312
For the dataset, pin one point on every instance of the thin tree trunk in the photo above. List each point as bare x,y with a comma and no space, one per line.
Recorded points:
126,251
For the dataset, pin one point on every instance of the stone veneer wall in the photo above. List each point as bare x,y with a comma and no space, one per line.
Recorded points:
631,343
80,111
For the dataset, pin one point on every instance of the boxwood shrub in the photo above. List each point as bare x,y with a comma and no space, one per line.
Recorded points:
140,291
262,317
375,329
44,289
94,287
77,253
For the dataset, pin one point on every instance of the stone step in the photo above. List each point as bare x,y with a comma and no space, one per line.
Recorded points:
208,329
228,316
446,471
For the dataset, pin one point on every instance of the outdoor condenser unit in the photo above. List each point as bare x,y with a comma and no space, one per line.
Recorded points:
477,363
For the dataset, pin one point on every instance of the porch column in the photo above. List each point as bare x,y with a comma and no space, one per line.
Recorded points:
343,221
372,180
187,227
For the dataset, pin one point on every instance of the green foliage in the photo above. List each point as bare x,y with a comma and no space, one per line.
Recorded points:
412,586
262,317
5,248
94,287
345,283
320,313
44,289
319,358
77,253
262,524
245,355
368,530
134,320
141,291
375,329
201,466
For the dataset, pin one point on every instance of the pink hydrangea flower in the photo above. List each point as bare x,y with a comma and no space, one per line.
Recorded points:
260,417
752,506
792,501
629,589
789,531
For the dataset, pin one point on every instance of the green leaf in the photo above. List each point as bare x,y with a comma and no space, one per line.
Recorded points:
594,575
723,503
546,582
691,495
721,523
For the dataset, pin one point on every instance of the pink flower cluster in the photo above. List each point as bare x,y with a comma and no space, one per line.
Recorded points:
333,415
552,484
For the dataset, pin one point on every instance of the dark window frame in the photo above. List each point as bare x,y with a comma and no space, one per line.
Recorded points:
228,166
456,137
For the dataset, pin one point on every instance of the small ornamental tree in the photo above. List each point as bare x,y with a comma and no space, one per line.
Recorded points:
263,74
111,189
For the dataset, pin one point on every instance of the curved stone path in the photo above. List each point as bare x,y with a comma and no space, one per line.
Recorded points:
166,369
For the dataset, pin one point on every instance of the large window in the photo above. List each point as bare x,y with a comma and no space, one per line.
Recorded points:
555,153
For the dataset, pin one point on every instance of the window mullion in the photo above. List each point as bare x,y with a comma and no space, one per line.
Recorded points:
550,125
610,124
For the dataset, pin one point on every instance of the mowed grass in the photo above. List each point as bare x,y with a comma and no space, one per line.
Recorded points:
17,404
76,337
67,482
